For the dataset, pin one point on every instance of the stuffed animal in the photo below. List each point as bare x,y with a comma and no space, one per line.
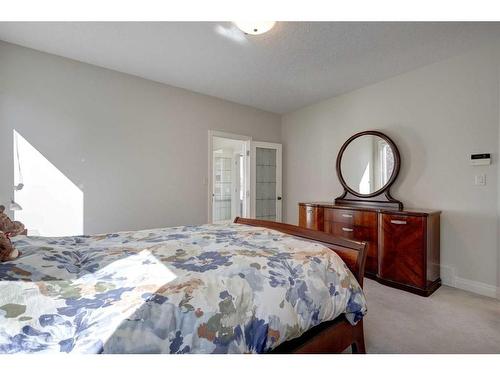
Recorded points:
7,250
8,228
12,228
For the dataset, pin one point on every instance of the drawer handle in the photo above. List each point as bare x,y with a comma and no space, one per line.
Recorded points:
347,229
346,215
399,222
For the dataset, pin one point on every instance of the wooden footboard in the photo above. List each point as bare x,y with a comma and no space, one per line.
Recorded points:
327,338
337,335
353,253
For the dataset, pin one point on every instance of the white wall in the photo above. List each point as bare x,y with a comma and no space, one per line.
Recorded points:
138,149
437,115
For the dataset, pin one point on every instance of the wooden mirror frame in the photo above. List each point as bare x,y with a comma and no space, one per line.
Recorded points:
381,198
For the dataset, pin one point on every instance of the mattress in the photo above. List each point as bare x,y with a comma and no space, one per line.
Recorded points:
193,289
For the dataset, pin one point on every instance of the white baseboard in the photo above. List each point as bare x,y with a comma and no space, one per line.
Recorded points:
449,277
476,287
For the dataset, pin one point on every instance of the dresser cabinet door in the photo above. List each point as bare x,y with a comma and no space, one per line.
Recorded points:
402,249
311,217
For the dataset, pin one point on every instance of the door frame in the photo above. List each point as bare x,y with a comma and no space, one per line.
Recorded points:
279,177
239,137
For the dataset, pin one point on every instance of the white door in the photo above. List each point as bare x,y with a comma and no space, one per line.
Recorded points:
266,181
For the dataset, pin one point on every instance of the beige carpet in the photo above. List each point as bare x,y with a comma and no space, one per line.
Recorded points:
449,321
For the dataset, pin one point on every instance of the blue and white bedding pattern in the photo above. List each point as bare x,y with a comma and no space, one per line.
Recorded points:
193,289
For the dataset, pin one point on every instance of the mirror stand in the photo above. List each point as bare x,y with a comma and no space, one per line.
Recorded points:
382,201
361,158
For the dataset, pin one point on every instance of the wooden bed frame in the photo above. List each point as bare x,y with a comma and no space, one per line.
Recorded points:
337,335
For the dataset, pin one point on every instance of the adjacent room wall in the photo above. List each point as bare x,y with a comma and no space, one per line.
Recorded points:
437,115
137,149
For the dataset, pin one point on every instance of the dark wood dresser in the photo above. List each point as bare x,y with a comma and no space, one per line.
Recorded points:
403,246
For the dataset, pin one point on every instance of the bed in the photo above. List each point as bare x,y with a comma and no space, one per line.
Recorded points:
248,287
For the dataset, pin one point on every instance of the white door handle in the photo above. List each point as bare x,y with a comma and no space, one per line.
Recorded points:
347,229
346,215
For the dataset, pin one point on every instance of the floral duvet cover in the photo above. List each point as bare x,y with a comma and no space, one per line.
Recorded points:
192,289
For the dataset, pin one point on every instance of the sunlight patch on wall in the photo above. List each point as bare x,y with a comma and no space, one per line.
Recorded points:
52,204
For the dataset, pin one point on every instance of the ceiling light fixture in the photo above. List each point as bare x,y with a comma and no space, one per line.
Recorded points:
255,28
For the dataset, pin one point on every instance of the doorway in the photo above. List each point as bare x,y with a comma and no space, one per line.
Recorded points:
229,177
244,178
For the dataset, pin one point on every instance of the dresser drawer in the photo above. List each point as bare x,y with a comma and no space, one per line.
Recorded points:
358,233
353,232
351,217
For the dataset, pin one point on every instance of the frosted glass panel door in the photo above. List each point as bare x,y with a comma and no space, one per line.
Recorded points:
266,168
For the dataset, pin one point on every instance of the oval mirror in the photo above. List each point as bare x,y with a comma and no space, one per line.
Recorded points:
369,163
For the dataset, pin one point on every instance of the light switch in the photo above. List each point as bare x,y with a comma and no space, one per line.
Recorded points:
480,180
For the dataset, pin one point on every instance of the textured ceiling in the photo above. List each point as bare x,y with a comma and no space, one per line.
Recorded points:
295,64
